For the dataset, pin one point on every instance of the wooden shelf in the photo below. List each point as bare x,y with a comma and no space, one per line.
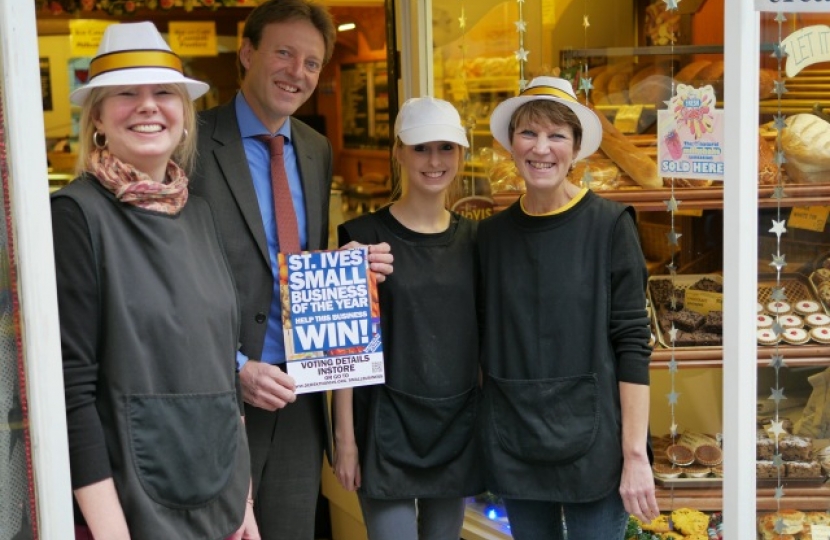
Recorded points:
709,499
697,357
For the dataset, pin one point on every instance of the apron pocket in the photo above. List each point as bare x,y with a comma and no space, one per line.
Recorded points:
183,446
548,420
420,432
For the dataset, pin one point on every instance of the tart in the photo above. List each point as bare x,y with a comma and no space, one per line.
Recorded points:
718,471
791,321
767,337
806,307
680,454
817,320
779,308
820,334
795,336
696,471
763,321
759,309
708,455
663,470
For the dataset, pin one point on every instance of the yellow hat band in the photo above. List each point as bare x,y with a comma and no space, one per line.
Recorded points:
134,59
548,91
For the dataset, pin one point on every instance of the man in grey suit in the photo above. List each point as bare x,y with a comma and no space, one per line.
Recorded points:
285,45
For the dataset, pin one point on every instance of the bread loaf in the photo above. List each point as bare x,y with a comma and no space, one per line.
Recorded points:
641,168
766,82
767,171
688,74
806,143
618,88
651,84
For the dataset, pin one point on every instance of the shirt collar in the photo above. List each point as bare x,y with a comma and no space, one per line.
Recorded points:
251,126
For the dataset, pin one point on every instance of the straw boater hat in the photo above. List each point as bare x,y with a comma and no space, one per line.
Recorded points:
135,53
551,89
426,119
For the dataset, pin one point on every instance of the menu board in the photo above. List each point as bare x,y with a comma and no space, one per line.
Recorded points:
365,104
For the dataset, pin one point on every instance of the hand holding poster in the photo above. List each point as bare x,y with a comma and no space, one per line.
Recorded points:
331,319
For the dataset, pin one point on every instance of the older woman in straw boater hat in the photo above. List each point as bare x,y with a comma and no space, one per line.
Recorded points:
566,339
148,312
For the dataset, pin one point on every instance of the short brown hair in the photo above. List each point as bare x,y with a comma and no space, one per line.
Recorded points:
277,11
546,111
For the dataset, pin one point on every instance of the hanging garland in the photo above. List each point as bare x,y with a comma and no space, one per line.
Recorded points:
127,7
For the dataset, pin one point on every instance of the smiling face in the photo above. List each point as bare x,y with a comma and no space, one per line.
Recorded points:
430,167
543,153
143,125
283,71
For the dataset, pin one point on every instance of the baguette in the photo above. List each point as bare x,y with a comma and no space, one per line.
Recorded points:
641,168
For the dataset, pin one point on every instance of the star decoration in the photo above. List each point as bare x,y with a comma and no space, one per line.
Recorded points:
673,430
779,121
779,525
780,158
779,493
778,193
777,460
585,23
779,17
779,227
777,361
462,20
672,366
780,88
520,1
778,262
778,51
778,294
673,236
587,178
673,334
521,54
672,204
672,268
673,303
777,328
672,397
777,428
585,84
671,4
777,395
521,26
522,85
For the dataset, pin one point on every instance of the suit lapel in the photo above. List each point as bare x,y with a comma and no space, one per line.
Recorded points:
230,154
310,173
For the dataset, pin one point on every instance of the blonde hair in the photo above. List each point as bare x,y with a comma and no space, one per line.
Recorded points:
400,178
183,155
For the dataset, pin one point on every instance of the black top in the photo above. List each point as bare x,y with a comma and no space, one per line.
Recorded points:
414,433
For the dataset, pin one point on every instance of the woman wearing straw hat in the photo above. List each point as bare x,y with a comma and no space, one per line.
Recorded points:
566,339
407,446
148,312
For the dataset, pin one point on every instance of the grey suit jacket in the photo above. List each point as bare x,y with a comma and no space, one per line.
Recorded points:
222,176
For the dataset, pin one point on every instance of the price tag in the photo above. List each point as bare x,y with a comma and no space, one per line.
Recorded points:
811,218
689,212
628,118
820,532
703,301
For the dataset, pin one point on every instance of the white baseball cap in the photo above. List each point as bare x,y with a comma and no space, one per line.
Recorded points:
426,119
552,89
135,53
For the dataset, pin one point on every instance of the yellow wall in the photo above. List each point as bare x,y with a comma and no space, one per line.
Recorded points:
700,404
56,48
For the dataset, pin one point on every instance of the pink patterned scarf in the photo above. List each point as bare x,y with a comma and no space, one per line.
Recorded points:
132,186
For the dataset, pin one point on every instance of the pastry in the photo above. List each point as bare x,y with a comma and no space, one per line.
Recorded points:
696,471
779,308
817,518
652,84
636,163
806,144
767,337
680,454
662,470
821,275
718,471
802,469
795,336
765,469
764,321
766,82
817,320
791,520
767,169
618,88
791,321
795,448
764,447
688,74
806,307
708,455
820,334
687,320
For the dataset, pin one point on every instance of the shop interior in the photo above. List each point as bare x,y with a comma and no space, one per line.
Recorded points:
635,53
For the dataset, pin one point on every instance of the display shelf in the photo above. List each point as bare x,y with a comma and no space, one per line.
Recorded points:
691,357
709,499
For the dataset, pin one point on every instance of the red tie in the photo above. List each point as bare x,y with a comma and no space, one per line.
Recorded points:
284,214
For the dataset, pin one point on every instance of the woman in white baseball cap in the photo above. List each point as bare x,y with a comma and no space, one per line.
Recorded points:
407,446
565,334
148,312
